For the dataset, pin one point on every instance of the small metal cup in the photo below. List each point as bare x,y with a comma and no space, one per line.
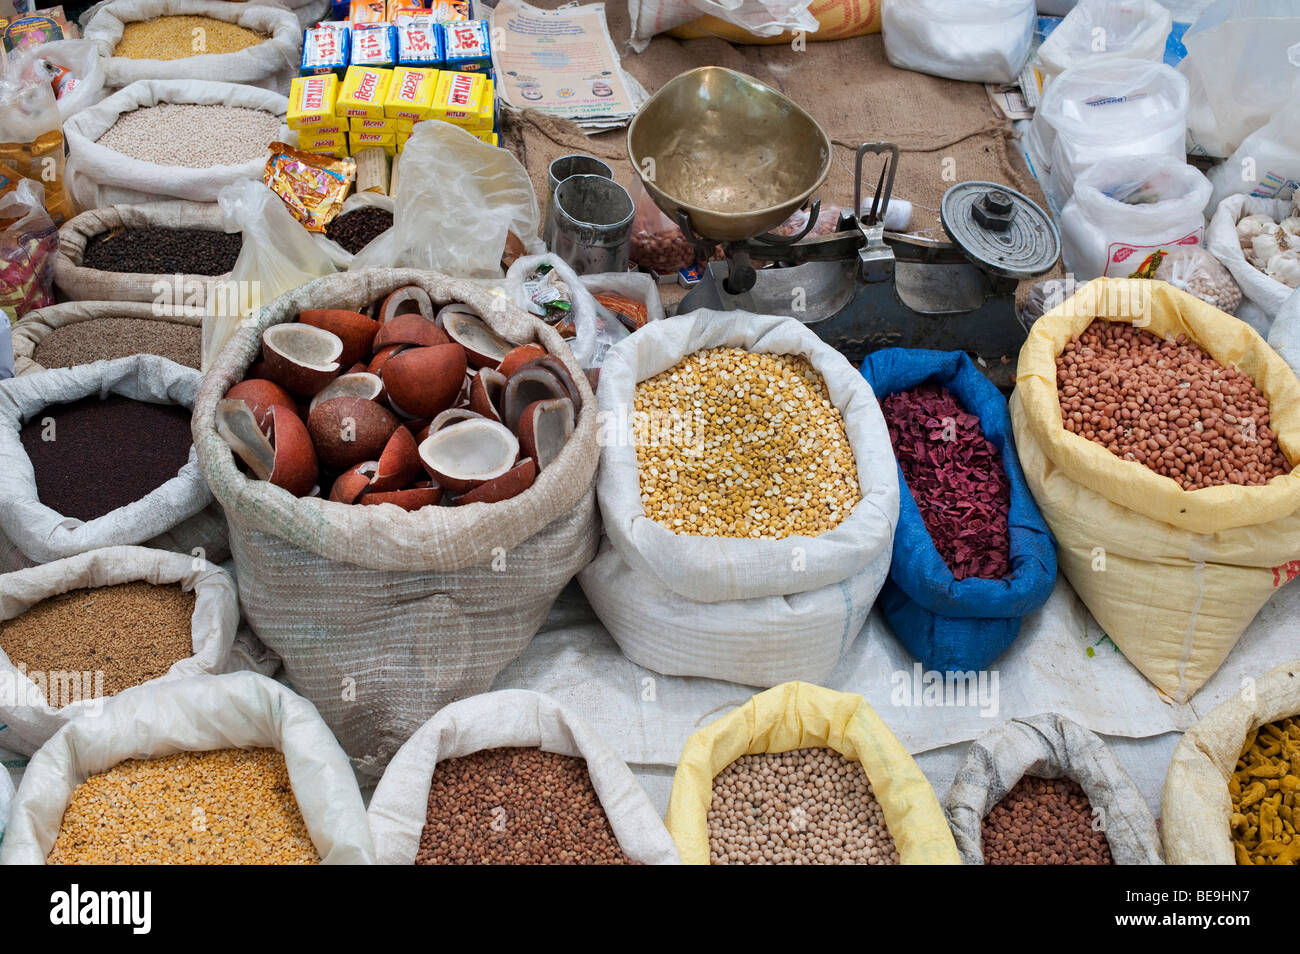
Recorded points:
559,170
593,224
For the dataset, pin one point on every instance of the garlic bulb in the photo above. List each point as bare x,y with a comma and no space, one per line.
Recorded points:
1263,248
1285,268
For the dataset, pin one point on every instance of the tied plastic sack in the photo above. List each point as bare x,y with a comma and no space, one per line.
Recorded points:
1050,746
457,201
175,516
1096,29
1196,806
507,719
1127,213
6,800
39,325
946,623
752,611
76,72
33,706
99,176
797,715
197,714
29,243
1173,577
270,64
1228,232
981,41
737,19
383,616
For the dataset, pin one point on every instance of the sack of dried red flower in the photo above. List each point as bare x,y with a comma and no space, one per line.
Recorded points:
972,554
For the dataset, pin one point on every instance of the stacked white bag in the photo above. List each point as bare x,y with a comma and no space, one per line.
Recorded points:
980,41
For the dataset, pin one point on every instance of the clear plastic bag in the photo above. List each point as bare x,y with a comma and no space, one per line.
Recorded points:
1267,163
340,256
31,136
591,328
657,244
76,72
29,246
1137,29
1199,273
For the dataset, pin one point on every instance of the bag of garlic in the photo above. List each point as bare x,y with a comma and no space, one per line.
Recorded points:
383,616
1258,241
755,604
1173,576
510,718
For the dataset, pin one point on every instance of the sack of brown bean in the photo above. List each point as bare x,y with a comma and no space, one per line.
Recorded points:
1235,224
734,802
100,455
288,797
1216,804
1001,813
169,253
404,819
383,616
196,40
77,631
83,332
177,139
749,496
1158,444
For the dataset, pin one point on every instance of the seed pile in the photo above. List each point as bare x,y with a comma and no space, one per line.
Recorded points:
107,338
356,229
734,444
225,807
175,37
1263,790
131,632
104,454
805,807
153,250
1044,822
191,135
516,806
956,477
1167,405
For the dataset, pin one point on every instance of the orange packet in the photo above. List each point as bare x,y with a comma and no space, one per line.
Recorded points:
312,185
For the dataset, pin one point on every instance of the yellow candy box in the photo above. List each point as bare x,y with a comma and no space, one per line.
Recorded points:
312,100
411,93
363,92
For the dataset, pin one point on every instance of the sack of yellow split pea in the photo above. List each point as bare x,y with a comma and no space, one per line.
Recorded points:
1173,576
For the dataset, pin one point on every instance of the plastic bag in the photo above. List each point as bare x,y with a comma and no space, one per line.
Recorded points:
1229,247
1097,29
76,72
6,350
340,256
1284,335
1128,213
29,246
1267,163
761,18
457,200
657,244
981,41
277,256
31,137
1199,273
590,327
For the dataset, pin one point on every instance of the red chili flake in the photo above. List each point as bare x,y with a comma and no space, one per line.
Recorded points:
955,476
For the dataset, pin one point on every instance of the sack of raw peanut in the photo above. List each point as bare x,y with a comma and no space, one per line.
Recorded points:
1006,777
718,789
1230,794
441,775
382,615
83,332
203,764
749,496
132,617
1158,444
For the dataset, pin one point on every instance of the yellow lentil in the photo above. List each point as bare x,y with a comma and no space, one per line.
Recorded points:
175,37
1263,792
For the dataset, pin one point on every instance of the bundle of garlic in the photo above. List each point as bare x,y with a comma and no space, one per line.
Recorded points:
1273,247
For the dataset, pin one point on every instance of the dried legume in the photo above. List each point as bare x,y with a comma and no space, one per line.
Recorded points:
224,807
107,338
161,251
1044,822
1263,791
174,37
516,806
805,807
735,444
356,229
191,135
1167,405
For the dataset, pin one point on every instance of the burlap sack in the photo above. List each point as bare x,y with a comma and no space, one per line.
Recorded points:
1195,808
78,283
37,325
381,616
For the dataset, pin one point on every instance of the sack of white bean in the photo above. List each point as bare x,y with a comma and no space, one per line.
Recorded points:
1050,746
511,718
718,564
897,814
198,714
179,139
52,664
1171,496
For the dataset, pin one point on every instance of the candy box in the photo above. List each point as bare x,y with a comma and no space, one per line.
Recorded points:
332,142
446,11
381,126
374,44
363,92
419,43
466,46
324,50
458,98
367,11
411,93
312,100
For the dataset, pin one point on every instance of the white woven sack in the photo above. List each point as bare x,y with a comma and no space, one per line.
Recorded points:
1284,335
171,517
196,714
6,800
27,719
271,64
38,325
758,612
98,176
1221,240
505,719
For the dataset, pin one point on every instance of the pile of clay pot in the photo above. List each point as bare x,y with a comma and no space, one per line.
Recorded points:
406,404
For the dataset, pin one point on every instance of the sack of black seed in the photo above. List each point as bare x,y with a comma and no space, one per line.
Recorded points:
363,218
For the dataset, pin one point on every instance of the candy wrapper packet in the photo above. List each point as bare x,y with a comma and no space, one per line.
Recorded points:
311,185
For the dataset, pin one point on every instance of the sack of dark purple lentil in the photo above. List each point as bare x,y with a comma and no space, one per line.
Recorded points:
972,554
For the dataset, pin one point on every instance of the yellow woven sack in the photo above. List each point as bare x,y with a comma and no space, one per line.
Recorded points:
797,715
1173,576
838,19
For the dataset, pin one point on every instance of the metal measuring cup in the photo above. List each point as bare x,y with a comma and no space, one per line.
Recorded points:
560,169
593,224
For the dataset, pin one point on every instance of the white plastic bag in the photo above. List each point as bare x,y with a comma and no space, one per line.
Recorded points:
637,286
340,256
6,349
1126,213
197,714
27,719
1097,29
1196,271
1266,293
982,41
759,17
6,800
1267,163
506,719
596,331
83,84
